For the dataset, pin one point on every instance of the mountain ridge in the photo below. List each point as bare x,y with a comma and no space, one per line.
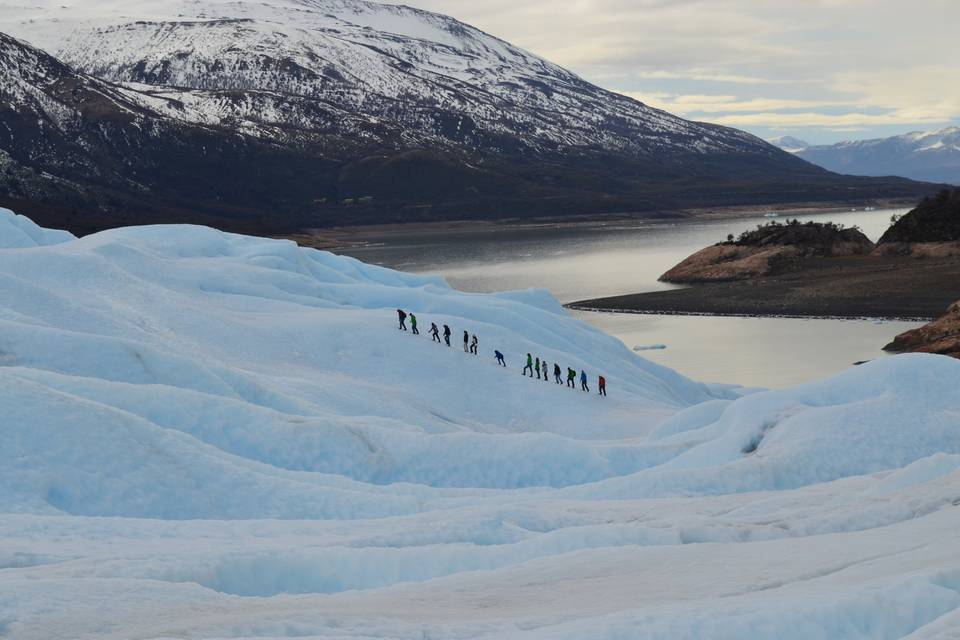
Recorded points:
386,114
933,156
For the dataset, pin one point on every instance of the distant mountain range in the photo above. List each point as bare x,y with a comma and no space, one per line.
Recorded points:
933,156
789,143
281,114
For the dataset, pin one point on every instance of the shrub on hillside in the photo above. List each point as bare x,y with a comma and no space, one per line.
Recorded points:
813,235
935,219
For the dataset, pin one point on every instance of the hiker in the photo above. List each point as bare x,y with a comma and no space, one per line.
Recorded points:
537,367
557,373
602,384
583,381
446,334
413,325
546,370
466,342
529,366
403,318
571,376
499,358
434,331
473,345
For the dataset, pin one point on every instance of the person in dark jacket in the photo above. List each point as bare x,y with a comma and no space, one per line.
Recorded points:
529,366
537,368
434,331
602,384
499,358
571,376
473,345
583,381
557,373
446,334
466,342
403,318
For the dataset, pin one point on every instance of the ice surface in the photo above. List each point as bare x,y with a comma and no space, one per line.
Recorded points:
207,435
18,232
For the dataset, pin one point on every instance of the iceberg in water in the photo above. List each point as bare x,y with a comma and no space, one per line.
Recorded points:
649,347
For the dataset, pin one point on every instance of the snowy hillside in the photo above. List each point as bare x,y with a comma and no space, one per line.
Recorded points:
359,57
922,155
789,143
208,435
327,112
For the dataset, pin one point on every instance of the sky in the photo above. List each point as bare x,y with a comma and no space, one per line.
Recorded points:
820,70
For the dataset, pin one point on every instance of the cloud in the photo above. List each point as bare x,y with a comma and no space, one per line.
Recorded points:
710,104
834,64
814,119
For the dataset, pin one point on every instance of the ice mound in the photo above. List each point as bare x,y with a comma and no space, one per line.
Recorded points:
196,425
244,362
17,232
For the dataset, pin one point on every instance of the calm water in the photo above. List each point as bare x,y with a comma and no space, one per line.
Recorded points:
580,263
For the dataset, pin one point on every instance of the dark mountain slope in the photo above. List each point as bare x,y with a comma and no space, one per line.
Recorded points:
275,116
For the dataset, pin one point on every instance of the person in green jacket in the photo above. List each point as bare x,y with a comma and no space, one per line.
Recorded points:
537,368
413,324
529,366
571,376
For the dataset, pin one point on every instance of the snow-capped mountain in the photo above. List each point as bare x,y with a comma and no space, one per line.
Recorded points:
789,144
435,76
411,113
933,156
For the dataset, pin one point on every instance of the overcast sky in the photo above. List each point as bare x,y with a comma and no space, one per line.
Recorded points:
822,70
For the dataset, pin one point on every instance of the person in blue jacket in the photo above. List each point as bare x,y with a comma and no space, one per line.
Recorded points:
499,358
583,380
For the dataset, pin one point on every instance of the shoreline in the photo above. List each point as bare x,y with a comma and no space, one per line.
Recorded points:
890,288
574,306
359,236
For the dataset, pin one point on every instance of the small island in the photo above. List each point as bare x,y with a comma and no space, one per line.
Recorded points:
818,270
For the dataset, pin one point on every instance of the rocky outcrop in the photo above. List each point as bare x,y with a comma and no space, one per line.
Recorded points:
930,230
769,250
940,336
918,249
726,262
935,219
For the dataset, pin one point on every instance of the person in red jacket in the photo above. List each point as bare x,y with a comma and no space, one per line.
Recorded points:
602,383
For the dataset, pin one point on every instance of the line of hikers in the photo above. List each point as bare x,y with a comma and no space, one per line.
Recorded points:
534,365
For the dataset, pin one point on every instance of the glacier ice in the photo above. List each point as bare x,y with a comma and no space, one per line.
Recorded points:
209,435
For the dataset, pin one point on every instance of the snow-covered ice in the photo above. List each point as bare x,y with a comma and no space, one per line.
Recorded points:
207,435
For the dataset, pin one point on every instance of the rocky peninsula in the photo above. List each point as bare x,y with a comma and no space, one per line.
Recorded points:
818,270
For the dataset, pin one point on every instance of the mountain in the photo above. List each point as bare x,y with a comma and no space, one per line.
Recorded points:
210,435
933,156
789,143
91,153
309,112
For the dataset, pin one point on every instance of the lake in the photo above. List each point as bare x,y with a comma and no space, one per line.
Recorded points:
590,261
